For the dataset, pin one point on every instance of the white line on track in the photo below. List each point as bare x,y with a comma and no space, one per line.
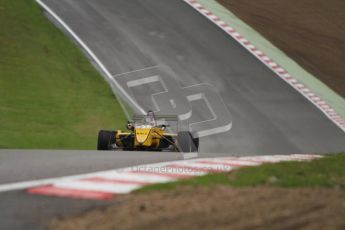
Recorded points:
150,173
42,182
137,178
276,68
92,55
138,70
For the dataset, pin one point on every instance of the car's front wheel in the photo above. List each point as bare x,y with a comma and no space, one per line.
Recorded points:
106,140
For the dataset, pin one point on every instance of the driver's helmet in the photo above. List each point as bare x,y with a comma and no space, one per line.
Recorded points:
150,118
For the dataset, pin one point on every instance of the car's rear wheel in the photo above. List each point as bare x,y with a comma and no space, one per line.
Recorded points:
106,140
186,142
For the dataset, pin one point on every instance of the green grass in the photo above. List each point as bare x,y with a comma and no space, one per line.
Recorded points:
50,95
325,172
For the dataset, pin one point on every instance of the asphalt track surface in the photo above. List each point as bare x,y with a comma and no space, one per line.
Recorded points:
267,115
19,210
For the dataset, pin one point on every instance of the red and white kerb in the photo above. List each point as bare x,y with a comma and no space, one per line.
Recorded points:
276,68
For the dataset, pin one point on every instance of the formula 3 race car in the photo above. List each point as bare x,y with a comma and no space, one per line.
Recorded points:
149,133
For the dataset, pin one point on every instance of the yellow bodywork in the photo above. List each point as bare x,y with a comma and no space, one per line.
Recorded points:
148,137
145,137
145,133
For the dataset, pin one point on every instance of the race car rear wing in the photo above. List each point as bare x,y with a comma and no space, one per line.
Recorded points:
158,117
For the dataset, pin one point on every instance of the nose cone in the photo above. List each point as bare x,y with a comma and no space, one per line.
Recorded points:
142,135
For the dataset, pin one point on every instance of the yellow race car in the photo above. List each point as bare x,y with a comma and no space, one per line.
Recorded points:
149,133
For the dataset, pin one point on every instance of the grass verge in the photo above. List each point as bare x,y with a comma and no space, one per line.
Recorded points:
50,95
324,172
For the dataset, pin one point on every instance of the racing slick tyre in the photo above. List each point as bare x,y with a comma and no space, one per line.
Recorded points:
195,147
106,139
186,142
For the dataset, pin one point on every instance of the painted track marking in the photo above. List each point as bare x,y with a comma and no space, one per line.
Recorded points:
321,104
276,68
104,185
92,55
